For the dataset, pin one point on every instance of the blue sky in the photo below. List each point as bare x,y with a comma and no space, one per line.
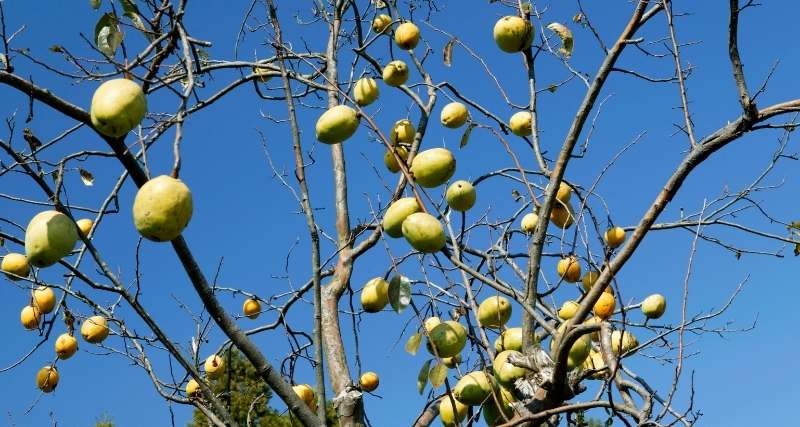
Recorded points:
244,215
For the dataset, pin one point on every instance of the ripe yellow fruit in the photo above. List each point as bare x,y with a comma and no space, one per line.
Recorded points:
589,278
406,35
375,295
337,124
506,372
365,91
381,23
510,339
461,196
654,306
369,381
162,208
452,362
47,379
66,346
391,162
454,115
448,338
451,411
494,312
424,232
30,317
604,307
395,73
591,321
44,299
614,237
307,395
623,342
94,329
192,388
118,106
568,310
529,222
251,308
497,409
215,366
564,193
562,215
397,213
474,388
579,350
403,132
50,236
431,323
15,266
569,268
595,361
520,123
84,226
433,167
513,34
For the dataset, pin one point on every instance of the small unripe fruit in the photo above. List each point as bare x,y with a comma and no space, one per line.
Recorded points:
47,379
513,34
654,306
395,73
406,35
375,295
215,366
30,317
192,388
118,106
94,329
432,168
614,237
454,115
162,208
365,91
251,308
15,266
424,232
337,124
66,346
84,226
381,23
402,132
568,310
604,307
529,222
50,236
494,312
520,123
569,268
391,162
460,196
397,213
369,381
44,299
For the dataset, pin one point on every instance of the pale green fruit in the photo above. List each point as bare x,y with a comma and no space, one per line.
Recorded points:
44,299
47,379
395,73
215,366
449,414
402,132
568,310
424,232
448,338
381,23
505,372
474,388
529,222
375,295
406,35
66,346
49,237
15,264
513,34
94,329
460,196
397,213
654,306
499,403
432,168
623,342
510,339
391,162
579,351
118,106
162,208
365,91
337,124
454,115
494,312
520,123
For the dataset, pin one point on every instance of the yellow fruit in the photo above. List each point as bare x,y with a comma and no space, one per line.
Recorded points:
654,306
569,268
513,34
215,366
431,323
66,346
49,237
402,132
568,310
424,232
162,208
47,379
452,362
474,388
397,213
390,161
14,265
337,124
604,307
433,167
624,341
84,226
192,388
44,299
460,196
451,411
448,338
497,408
510,339
562,215
494,312
365,91
406,35
529,222
520,123
579,350
381,23
375,295
454,115
118,106
591,321
94,329
395,73
251,308
369,381
564,193
30,317
595,361
307,395
589,278
614,237
505,372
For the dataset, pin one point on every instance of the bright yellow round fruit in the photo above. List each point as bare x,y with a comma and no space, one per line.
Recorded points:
337,124
654,306
369,381
614,237
564,193
623,342
395,73
451,411
403,132
406,35
494,312
513,34
15,266
94,329
30,317
504,371
510,339
44,299
251,308
433,167
448,338
595,362
192,388
381,23
306,393
50,236
66,346
562,215
569,268
474,388
365,91
592,321
375,295
520,123
47,379
568,310
215,366
589,278
397,213
162,208
529,222
604,307
118,106
391,162
84,226
454,115
424,232
461,196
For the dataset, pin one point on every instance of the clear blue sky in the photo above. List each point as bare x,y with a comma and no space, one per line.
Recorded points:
242,213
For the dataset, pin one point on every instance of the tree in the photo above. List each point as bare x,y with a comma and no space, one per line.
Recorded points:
464,277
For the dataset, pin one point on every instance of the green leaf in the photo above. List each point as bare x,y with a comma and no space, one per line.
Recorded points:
448,51
413,343
56,48
107,35
437,375
467,133
130,10
552,88
422,378
399,293
95,4
567,41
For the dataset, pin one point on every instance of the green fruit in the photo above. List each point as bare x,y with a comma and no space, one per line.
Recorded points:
365,91
449,414
162,208
395,73
579,351
499,403
460,196
423,232
337,124
402,132
448,338
510,339
432,168
494,312
15,266
474,388
520,123
505,372
375,295
513,34
568,310
454,115
49,237
391,162
654,306
118,106
406,35
397,213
